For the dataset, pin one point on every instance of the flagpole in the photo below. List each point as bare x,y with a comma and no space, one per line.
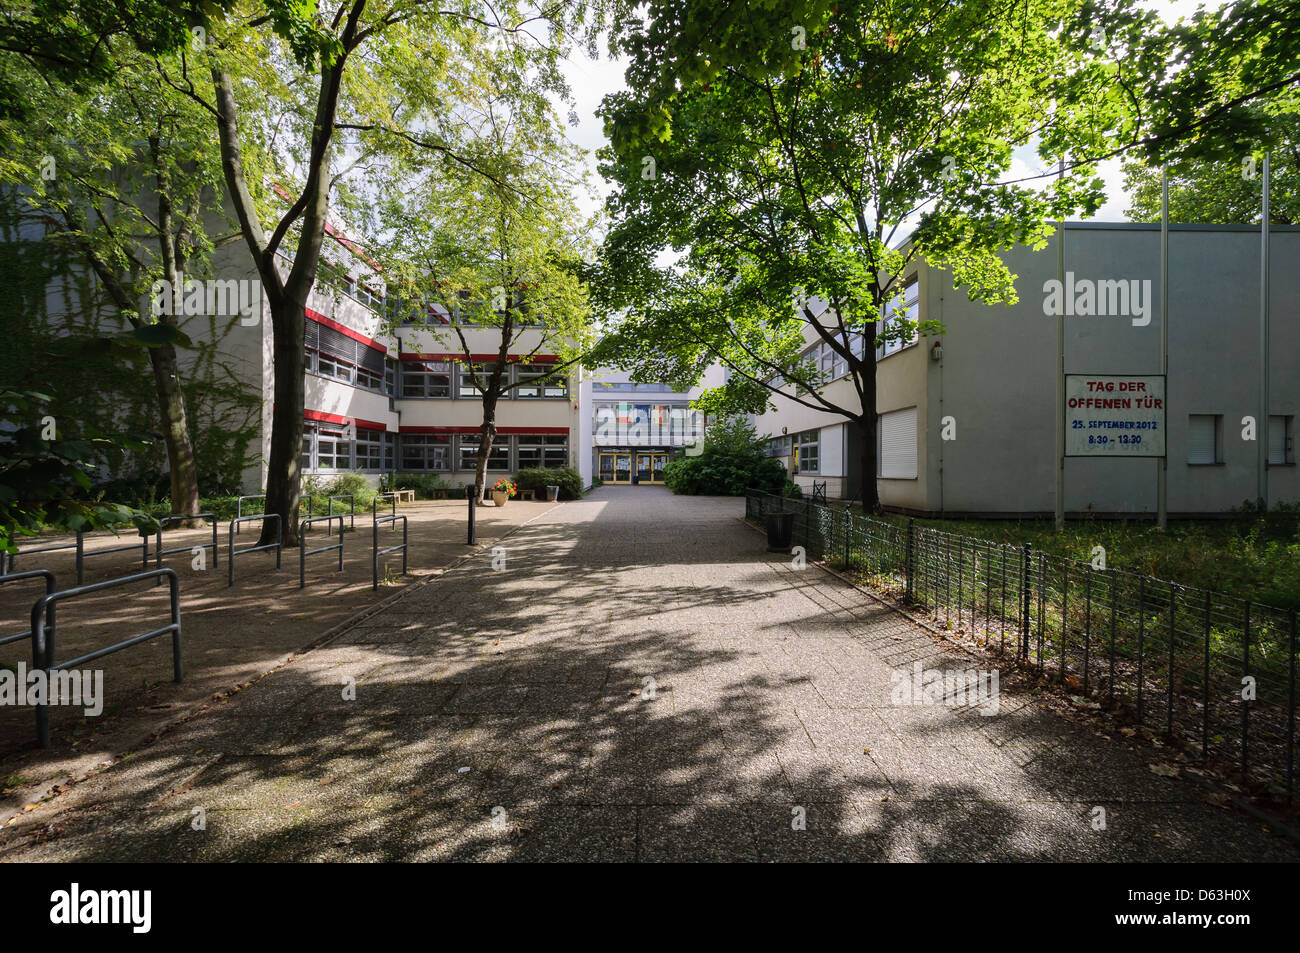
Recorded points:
1162,466
1060,373
1261,428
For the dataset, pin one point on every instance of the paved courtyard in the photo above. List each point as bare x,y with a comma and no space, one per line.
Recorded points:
639,680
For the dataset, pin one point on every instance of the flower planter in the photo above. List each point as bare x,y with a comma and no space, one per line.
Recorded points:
499,497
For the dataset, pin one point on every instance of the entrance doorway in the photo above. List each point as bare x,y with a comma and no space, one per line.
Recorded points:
616,467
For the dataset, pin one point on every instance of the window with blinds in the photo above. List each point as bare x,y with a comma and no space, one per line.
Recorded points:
1281,445
1203,438
896,445
332,353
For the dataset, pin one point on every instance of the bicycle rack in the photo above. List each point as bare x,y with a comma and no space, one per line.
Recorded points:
376,552
239,505
374,504
28,574
43,636
232,552
159,552
304,552
352,511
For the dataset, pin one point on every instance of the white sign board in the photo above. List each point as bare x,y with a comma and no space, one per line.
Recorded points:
1111,416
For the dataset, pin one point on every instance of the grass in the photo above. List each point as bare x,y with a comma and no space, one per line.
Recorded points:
1250,557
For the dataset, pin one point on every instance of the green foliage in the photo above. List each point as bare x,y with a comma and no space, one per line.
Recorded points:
424,484
732,461
45,476
351,484
538,478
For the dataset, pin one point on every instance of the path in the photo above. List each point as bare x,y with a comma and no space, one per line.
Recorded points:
505,715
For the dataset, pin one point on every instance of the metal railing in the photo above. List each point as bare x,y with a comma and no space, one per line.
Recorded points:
159,552
18,577
304,552
351,513
1213,672
43,635
239,506
376,552
231,552
7,559
374,504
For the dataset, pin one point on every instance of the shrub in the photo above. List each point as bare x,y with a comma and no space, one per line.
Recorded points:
733,460
566,478
422,483
354,484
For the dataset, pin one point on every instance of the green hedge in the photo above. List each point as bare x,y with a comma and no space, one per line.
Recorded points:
566,478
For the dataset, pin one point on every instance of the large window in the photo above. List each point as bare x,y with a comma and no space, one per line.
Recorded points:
498,456
1204,439
333,450
426,379
425,452
543,450
528,374
896,445
369,450
806,452
895,314
331,353
1281,440
469,373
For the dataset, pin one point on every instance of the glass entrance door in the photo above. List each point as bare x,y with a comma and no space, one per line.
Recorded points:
643,468
622,468
660,461
606,472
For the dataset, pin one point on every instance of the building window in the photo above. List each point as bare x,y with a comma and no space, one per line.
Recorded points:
331,353
333,450
778,447
527,375
1281,440
425,452
1204,438
469,373
426,379
498,456
369,450
895,314
896,445
806,455
543,450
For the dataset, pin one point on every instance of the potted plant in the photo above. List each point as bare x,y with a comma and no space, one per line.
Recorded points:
503,490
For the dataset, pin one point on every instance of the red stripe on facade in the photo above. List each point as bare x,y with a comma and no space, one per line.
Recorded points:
336,419
344,329
549,431
478,358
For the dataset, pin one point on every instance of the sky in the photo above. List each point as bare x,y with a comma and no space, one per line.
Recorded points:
591,80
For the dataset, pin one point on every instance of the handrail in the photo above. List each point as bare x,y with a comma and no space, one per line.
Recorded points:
43,634
376,552
27,574
159,552
232,552
239,505
304,552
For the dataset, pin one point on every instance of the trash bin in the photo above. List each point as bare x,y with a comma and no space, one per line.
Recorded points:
552,493
780,532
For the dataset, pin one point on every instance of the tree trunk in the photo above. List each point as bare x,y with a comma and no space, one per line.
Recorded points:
869,493
183,471
284,474
485,445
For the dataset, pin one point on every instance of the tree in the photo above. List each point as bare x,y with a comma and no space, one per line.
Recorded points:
126,176
782,154
498,244
357,80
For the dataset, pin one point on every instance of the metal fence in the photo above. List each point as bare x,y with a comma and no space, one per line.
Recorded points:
1214,673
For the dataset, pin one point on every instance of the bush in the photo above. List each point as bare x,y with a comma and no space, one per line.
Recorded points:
733,460
422,483
353,484
566,478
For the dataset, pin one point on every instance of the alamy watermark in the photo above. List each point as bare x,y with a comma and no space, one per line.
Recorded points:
626,426
1088,298
956,689
74,688
214,297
